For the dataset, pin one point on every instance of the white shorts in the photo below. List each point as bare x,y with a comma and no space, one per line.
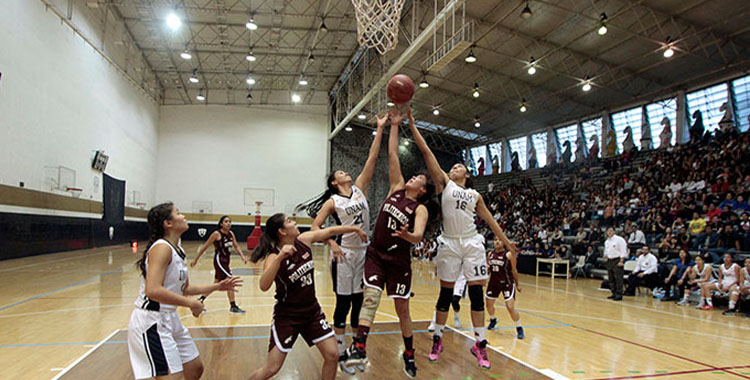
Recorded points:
347,275
459,288
465,255
158,343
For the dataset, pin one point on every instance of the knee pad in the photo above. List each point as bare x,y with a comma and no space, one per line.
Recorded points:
370,303
342,309
357,299
476,297
444,299
456,302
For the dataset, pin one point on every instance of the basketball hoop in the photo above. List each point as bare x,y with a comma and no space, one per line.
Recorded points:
74,191
377,23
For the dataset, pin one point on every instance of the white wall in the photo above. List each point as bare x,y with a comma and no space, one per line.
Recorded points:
211,153
60,101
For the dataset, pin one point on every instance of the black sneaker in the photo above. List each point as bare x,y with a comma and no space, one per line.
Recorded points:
236,310
493,323
410,367
355,354
729,312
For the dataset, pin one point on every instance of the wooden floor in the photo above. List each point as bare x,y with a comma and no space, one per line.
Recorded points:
57,308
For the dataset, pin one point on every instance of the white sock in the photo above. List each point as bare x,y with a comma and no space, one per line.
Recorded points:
439,329
518,322
709,301
434,316
731,305
340,343
479,333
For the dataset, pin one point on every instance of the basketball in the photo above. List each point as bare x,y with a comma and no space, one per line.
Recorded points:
400,88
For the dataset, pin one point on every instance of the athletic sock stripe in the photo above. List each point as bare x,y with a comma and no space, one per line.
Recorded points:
161,367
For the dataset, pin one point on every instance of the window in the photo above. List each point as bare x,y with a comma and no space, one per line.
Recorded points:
518,145
593,127
569,133
540,144
621,120
658,111
708,101
475,154
741,89
496,150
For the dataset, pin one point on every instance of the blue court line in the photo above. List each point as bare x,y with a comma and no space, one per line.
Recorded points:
60,289
545,318
251,337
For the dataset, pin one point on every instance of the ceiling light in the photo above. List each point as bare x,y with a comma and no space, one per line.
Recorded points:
186,54
312,57
173,21
390,104
194,77
361,116
200,96
348,128
250,80
406,142
303,82
251,24
477,124
249,96
374,133
669,52
475,93
603,27
586,87
296,98
526,12
323,27
523,106
250,56
423,83
436,111
532,66
471,58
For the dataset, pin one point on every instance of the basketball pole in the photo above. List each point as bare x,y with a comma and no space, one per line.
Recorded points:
400,62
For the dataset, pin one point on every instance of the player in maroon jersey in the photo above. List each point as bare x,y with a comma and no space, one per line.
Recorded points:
289,264
223,240
503,282
401,223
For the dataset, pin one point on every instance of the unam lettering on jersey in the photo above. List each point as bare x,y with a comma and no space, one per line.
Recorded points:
396,213
306,267
463,195
351,210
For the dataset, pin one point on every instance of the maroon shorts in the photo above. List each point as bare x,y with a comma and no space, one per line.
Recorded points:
313,327
497,289
221,267
388,271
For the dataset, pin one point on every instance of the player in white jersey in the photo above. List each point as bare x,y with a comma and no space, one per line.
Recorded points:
741,289
158,343
694,278
460,247
729,276
346,203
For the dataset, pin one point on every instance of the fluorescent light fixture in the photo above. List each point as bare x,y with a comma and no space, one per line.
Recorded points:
251,24
296,98
186,54
173,21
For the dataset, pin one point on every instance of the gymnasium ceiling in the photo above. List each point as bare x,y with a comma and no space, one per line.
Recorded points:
711,39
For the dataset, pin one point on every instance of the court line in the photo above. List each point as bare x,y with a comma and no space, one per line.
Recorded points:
683,331
511,357
60,289
672,373
89,352
64,310
639,345
625,304
82,256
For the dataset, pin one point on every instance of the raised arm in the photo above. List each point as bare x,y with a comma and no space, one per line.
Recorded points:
327,210
271,266
310,237
395,178
363,180
211,239
438,175
485,214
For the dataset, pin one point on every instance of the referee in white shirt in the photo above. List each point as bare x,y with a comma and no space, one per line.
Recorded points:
615,251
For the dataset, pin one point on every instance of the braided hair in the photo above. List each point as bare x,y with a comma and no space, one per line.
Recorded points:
156,217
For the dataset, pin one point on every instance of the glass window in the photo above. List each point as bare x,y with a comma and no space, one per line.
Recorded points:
476,153
622,120
569,133
708,101
496,150
656,113
540,144
518,145
593,127
741,89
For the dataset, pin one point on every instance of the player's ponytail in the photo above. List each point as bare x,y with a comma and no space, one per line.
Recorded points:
428,200
270,237
313,206
156,217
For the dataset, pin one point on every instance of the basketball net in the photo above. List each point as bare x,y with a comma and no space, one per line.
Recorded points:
377,23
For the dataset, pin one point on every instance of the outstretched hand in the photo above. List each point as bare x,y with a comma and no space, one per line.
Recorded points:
362,235
396,116
230,284
402,232
381,121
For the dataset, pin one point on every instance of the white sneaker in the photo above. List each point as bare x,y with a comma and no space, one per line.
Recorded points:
457,322
431,327
682,302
